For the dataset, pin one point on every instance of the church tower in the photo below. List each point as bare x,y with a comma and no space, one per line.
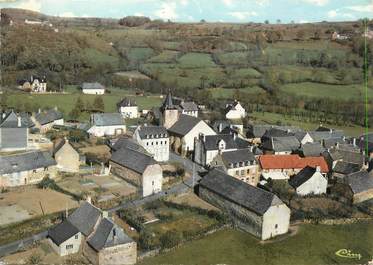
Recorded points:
169,111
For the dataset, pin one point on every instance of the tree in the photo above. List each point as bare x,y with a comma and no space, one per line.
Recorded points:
266,21
79,104
98,104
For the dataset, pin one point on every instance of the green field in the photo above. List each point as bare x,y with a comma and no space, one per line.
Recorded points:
66,102
228,93
327,91
313,244
193,60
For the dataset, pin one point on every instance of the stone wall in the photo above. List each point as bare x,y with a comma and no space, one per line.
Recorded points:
119,255
127,174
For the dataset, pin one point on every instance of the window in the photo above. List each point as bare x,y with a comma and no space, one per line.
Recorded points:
237,172
276,225
76,236
69,247
147,143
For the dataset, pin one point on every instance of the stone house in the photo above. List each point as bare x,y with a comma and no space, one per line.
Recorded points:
184,132
155,140
252,209
188,108
234,111
93,88
106,124
240,164
139,169
67,157
128,108
91,230
284,166
14,132
359,186
45,120
312,149
285,145
26,168
309,181
342,169
207,147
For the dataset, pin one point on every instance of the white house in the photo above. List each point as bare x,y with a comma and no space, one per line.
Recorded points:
252,209
234,111
309,181
93,88
128,108
106,124
65,238
155,141
189,108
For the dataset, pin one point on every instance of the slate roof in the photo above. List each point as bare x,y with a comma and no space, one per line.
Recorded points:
62,232
238,192
134,160
48,116
189,106
184,124
331,142
257,131
291,162
25,162
312,149
237,156
220,125
347,156
148,132
107,235
275,132
94,85
346,168
10,120
211,141
127,102
168,103
85,218
107,119
303,176
323,135
125,142
360,181
281,144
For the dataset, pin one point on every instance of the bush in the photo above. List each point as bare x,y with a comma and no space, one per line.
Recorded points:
48,183
146,241
171,239
132,218
35,258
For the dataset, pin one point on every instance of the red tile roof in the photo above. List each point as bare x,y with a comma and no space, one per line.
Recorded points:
292,161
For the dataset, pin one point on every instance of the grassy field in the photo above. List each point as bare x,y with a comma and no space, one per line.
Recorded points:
193,60
227,93
314,244
327,91
66,102
273,118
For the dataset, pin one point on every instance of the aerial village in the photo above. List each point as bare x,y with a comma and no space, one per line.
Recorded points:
98,200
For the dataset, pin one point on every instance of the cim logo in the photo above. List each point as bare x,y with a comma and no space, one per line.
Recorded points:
346,253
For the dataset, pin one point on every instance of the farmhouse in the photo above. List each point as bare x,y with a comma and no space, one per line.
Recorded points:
342,169
284,145
26,168
254,210
188,108
89,229
234,111
93,88
45,120
128,108
285,166
155,141
13,132
309,181
240,164
207,147
138,169
106,124
312,149
67,157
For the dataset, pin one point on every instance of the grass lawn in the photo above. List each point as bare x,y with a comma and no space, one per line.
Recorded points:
327,91
166,56
192,60
314,244
273,118
66,102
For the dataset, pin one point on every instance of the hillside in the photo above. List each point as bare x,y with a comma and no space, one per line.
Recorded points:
270,65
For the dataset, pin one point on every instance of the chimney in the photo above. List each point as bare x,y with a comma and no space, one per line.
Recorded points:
354,141
234,135
318,169
114,234
89,199
19,122
4,114
39,110
220,127
55,108
337,145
